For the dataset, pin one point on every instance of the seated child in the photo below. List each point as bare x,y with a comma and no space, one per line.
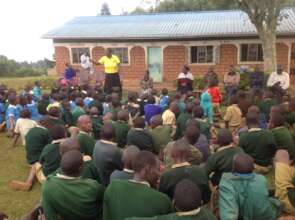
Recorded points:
282,135
66,113
97,122
55,116
37,91
182,169
259,144
140,137
128,156
70,197
22,126
233,115
243,102
284,181
85,139
188,204
164,99
12,113
183,118
43,104
122,128
36,139
203,125
32,106
151,109
266,103
146,173
251,190
221,161
107,104
206,104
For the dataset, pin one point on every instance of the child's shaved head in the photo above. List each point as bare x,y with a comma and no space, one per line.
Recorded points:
243,163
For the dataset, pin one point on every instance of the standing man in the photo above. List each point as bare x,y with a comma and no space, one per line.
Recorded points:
279,82
111,65
231,82
211,77
84,77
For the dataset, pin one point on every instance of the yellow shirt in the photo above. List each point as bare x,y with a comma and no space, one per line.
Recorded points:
233,115
110,64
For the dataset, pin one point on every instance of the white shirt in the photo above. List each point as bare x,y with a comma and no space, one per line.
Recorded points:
184,76
85,62
22,127
283,79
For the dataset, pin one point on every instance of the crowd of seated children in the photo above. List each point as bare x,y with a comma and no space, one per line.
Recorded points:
99,156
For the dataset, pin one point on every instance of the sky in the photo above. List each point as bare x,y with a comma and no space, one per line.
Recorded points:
23,22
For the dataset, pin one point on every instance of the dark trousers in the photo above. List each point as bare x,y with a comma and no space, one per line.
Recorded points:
112,83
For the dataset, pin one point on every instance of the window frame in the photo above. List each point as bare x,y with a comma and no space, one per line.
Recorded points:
205,63
72,57
128,54
249,62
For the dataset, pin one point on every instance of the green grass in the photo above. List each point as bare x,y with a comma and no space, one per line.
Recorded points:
18,83
13,166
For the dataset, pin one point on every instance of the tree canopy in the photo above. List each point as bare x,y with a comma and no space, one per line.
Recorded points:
105,9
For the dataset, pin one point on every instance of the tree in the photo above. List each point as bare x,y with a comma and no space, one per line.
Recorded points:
105,10
265,16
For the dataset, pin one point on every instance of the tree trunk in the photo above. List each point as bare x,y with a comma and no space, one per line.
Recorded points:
268,39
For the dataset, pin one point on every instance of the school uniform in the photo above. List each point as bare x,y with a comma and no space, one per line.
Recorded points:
290,118
124,174
161,136
67,118
265,106
181,123
233,116
87,143
221,162
259,144
22,127
179,172
201,213
245,196
50,157
106,158
42,106
72,198
56,121
2,112
140,138
195,159
76,113
164,102
204,127
121,130
36,139
97,124
128,198
206,104
11,111
284,140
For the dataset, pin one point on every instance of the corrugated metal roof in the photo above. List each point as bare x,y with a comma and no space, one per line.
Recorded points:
167,26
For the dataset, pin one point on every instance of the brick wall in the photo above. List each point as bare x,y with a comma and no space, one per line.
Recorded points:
174,58
62,56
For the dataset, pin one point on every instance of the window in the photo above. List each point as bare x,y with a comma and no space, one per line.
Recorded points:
77,53
201,54
251,53
122,53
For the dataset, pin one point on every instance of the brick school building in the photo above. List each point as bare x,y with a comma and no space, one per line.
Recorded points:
163,43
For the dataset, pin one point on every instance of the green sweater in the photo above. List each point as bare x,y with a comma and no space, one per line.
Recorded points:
181,122
204,214
125,199
121,131
96,126
86,142
221,162
259,144
284,140
171,178
245,196
50,158
77,112
265,106
140,138
79,199
290,118
161,137
204,127
36,139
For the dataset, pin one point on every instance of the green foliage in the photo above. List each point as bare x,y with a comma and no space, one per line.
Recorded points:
199,82
12,68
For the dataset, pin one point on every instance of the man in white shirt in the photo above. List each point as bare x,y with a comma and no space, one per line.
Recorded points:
279,81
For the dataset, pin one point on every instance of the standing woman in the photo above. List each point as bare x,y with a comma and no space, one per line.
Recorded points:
185,80
111,65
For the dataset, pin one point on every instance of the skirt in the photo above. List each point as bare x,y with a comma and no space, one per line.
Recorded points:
112,82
